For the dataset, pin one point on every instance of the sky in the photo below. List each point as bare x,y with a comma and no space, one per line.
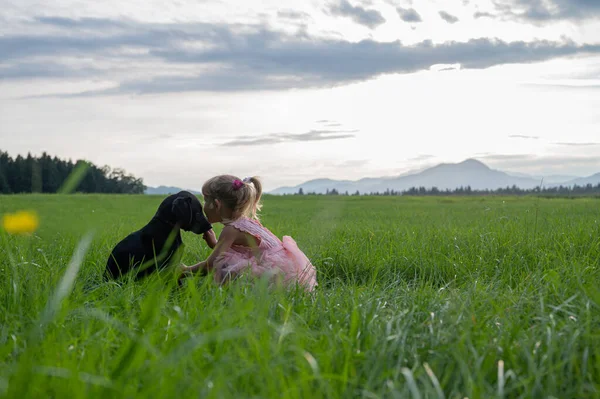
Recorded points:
177,91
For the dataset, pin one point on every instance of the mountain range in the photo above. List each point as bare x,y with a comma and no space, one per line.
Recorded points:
166,190
444,176
470,172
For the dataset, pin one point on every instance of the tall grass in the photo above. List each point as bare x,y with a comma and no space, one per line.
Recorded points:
417,297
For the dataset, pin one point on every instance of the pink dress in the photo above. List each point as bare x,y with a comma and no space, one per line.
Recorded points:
281,258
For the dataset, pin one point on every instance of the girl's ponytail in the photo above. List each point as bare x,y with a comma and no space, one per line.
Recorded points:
256,206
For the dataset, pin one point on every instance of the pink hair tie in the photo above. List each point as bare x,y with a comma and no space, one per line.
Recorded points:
237,184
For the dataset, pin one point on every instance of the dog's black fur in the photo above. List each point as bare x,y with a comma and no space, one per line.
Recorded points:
149,248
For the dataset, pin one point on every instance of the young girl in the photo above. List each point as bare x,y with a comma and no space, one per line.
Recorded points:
244,244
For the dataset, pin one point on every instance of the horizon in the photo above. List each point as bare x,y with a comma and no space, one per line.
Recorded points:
177,92
557,179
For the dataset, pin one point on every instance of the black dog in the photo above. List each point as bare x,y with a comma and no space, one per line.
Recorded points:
152,247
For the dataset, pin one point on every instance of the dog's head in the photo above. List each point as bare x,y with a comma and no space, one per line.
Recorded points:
185,209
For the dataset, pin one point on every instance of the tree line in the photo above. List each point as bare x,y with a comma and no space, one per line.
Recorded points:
47,174
559,191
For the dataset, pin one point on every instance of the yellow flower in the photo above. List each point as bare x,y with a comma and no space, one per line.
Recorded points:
22,222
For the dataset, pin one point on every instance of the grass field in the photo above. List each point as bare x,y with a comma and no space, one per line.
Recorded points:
418,297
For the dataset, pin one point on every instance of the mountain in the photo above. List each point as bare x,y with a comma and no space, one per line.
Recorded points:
164,190
470,172
550,179
594,180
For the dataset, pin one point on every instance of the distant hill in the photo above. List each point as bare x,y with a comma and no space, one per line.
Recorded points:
594,180
165,190
548,180
470,172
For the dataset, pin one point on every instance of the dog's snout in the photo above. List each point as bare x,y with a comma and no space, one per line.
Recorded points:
200,224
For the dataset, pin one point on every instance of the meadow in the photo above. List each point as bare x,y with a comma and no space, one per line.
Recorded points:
417,298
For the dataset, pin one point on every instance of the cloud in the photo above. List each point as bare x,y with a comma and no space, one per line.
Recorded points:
409,14
522,136
281,64
445,67
328,123
578,144
507,157
277,138
293,15
422,157
580,85
354,163
480,14
369,18
451,19
31,70
548,164
539,11
162,58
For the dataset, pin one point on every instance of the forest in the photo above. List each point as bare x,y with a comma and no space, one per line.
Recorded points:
46,174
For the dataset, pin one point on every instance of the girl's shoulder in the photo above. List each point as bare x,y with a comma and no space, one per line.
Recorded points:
242,220
245,224
244,227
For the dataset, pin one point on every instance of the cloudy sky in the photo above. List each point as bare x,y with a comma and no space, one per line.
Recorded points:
176,91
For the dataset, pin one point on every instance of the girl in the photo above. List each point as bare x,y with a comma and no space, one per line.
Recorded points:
244,244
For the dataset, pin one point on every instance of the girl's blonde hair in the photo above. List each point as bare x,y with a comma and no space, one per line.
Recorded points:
241,196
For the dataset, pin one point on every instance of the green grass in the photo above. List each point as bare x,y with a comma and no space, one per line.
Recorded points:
418,297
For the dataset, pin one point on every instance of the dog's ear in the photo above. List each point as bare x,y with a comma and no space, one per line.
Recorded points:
182,209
